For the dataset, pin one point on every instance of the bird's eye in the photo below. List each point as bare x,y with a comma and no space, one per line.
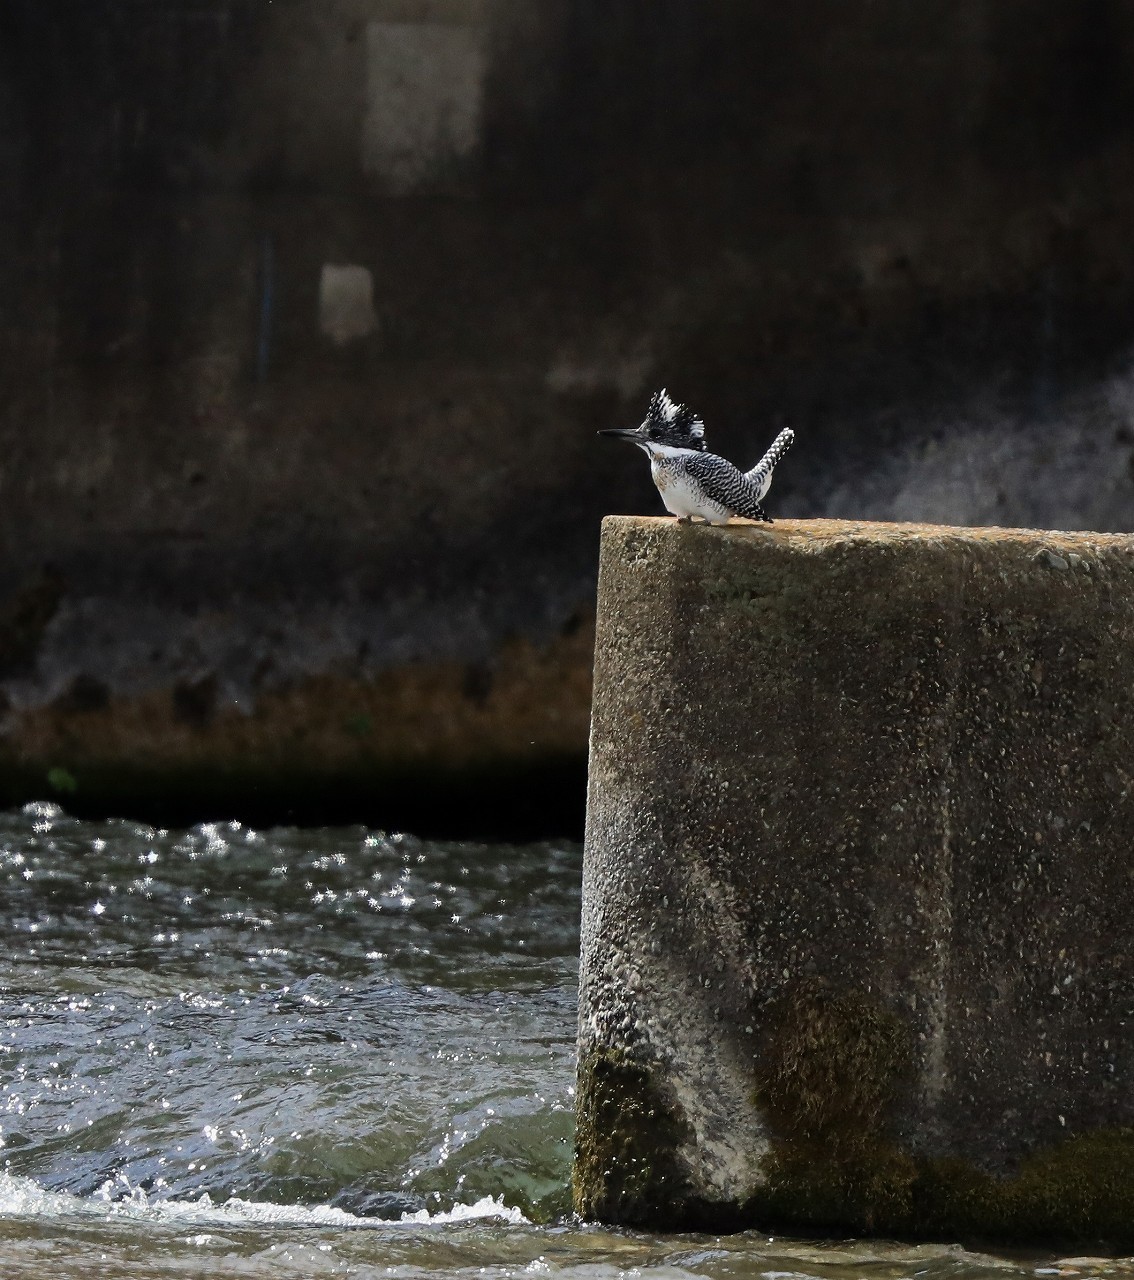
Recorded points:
654,432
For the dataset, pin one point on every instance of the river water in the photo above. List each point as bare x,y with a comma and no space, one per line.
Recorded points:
226,1052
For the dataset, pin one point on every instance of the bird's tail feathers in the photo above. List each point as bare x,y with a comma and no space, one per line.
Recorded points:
761,473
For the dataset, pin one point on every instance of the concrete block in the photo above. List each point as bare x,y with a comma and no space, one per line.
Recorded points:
859,881
424,95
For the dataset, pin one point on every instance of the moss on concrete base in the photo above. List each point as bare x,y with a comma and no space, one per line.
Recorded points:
835,1062
1078,1190
628,1132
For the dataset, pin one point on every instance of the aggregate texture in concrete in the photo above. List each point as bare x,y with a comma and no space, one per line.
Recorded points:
859,881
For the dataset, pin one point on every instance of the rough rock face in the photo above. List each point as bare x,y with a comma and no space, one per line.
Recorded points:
312,310
856,943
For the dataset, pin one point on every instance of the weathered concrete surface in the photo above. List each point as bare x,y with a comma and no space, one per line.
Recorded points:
859,881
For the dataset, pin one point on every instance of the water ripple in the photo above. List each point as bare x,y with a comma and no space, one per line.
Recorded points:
289,1016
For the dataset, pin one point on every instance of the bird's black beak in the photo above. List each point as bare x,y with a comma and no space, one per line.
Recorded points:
623,433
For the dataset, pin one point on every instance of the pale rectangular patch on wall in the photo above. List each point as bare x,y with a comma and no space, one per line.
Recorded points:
424,95
346,302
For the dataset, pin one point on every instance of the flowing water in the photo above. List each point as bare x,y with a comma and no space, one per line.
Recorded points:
226,1052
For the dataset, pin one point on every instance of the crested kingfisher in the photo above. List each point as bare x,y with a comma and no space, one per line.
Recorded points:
692,481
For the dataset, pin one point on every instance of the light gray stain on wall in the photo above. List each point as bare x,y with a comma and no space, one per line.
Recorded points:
424,91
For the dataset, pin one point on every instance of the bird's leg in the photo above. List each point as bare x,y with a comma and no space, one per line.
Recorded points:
684,519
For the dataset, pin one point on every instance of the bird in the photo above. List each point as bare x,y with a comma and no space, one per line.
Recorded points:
691,480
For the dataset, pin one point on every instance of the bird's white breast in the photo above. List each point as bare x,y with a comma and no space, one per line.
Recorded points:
680,493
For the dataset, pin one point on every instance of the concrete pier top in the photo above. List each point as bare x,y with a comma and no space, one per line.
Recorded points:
858,949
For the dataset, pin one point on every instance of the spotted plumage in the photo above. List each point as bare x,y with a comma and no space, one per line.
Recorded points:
691,480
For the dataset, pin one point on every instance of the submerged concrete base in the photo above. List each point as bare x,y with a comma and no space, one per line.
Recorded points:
858,919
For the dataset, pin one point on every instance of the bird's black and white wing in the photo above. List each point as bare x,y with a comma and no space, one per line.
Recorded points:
726,485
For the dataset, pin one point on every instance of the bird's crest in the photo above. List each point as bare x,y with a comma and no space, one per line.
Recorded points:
673,424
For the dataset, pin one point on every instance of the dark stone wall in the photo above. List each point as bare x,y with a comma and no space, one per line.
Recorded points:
904,231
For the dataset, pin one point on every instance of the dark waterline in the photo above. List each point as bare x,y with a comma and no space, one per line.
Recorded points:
507,802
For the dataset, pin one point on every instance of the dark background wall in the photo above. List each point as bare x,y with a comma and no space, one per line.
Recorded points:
252,560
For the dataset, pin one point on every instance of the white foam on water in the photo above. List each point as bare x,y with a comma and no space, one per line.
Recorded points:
25,1198
485,1207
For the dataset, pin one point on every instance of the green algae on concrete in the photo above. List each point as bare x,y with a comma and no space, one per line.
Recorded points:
1077,1191
833,1064
628,1131
857,882
1081,1189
